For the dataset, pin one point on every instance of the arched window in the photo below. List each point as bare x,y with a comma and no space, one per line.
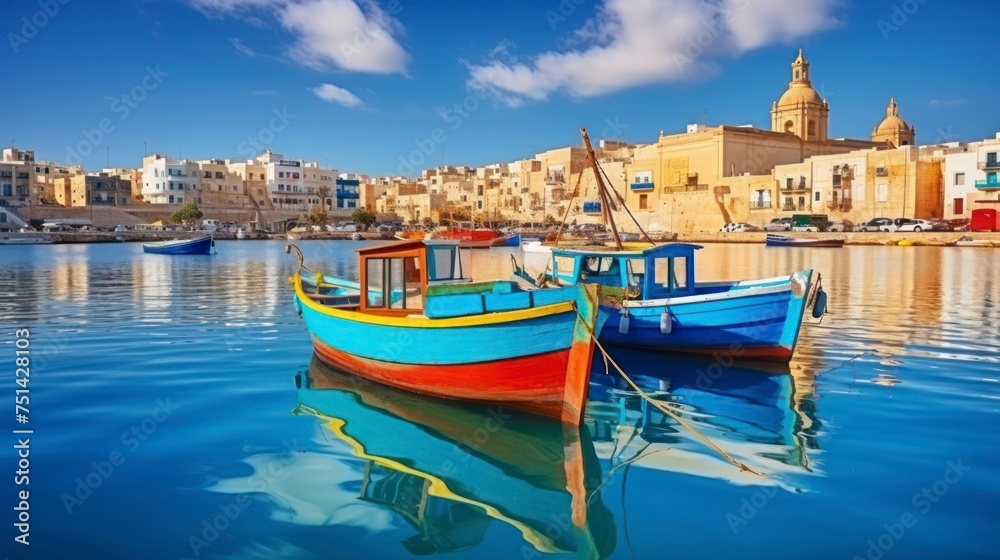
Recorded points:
811,133
789,125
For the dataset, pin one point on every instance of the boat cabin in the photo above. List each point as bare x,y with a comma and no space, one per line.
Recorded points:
659,272
394,277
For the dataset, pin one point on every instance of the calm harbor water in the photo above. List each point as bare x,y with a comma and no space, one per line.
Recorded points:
177,413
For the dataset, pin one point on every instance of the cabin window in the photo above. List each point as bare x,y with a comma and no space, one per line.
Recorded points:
679,279
564,266
671,273
376,277
445,264
399,278
636,271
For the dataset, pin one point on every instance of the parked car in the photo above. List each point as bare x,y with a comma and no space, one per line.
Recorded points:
738,227
878,224
347,227
779,224
906,224
120,228
840,225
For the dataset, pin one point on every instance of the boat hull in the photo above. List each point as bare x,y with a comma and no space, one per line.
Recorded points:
203,246
783,241
760,322
542,366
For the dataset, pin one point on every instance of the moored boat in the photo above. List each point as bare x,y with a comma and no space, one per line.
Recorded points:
786,241
417,323
200,246
26,240
661,306
470,237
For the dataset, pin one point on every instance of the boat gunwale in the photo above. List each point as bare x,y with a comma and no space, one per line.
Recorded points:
421,321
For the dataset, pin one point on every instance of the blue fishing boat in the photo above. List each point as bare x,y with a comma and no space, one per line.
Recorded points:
658,304
415,322
513,240
200,246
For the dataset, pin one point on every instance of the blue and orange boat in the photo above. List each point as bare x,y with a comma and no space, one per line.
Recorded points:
661,306
415,322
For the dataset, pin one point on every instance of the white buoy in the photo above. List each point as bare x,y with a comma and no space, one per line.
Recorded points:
623,324
666,323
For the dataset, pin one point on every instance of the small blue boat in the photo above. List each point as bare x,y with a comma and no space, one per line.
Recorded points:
659,305
513,240
200,246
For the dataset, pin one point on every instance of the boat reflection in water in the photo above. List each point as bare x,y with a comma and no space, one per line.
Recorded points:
755,412
450,469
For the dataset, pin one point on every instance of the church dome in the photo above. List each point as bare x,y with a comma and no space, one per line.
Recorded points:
799,93
892,122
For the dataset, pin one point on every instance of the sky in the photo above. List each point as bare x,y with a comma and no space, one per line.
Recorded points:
390,87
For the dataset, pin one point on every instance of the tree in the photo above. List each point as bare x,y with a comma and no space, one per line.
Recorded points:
188,214
318,218
363,217
323,193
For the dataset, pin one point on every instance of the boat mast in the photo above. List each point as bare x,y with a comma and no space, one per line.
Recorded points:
606,200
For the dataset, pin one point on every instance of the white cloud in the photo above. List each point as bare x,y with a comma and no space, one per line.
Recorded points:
333,94
339,33
637,42
945,102
243,49
352,35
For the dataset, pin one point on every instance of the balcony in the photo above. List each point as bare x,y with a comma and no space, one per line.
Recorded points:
686,188
786,207
760,204
989,164
641,186
988,184
842,206
795,187
348,195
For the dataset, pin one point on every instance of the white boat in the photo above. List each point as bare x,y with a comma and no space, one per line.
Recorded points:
967,241
41,240
240,234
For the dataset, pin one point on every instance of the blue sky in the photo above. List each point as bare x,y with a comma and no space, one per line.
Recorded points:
380,85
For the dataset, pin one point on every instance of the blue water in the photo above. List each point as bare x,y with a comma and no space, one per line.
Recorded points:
177,413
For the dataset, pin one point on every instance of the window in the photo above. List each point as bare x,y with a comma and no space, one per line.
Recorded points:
375,272
816,198
788,183
812,129
882,193
171,199
959,206
643,204
671,273
959,179
679,279
281,174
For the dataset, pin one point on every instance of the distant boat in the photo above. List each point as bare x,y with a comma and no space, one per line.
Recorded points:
968,241
513,240
418,324
470,237
785,241
656,303
43,240
240,234
200,246
357,236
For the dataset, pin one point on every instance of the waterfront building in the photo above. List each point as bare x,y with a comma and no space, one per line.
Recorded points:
971,178
98,189
294,184
46,173
254,177
169,181
348,193
17,178
219,185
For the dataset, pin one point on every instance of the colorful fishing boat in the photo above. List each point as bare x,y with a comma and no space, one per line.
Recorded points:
786,241
200,246
417,323
661,306
470,237
425,460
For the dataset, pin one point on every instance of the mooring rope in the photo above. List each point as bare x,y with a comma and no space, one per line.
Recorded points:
660,406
